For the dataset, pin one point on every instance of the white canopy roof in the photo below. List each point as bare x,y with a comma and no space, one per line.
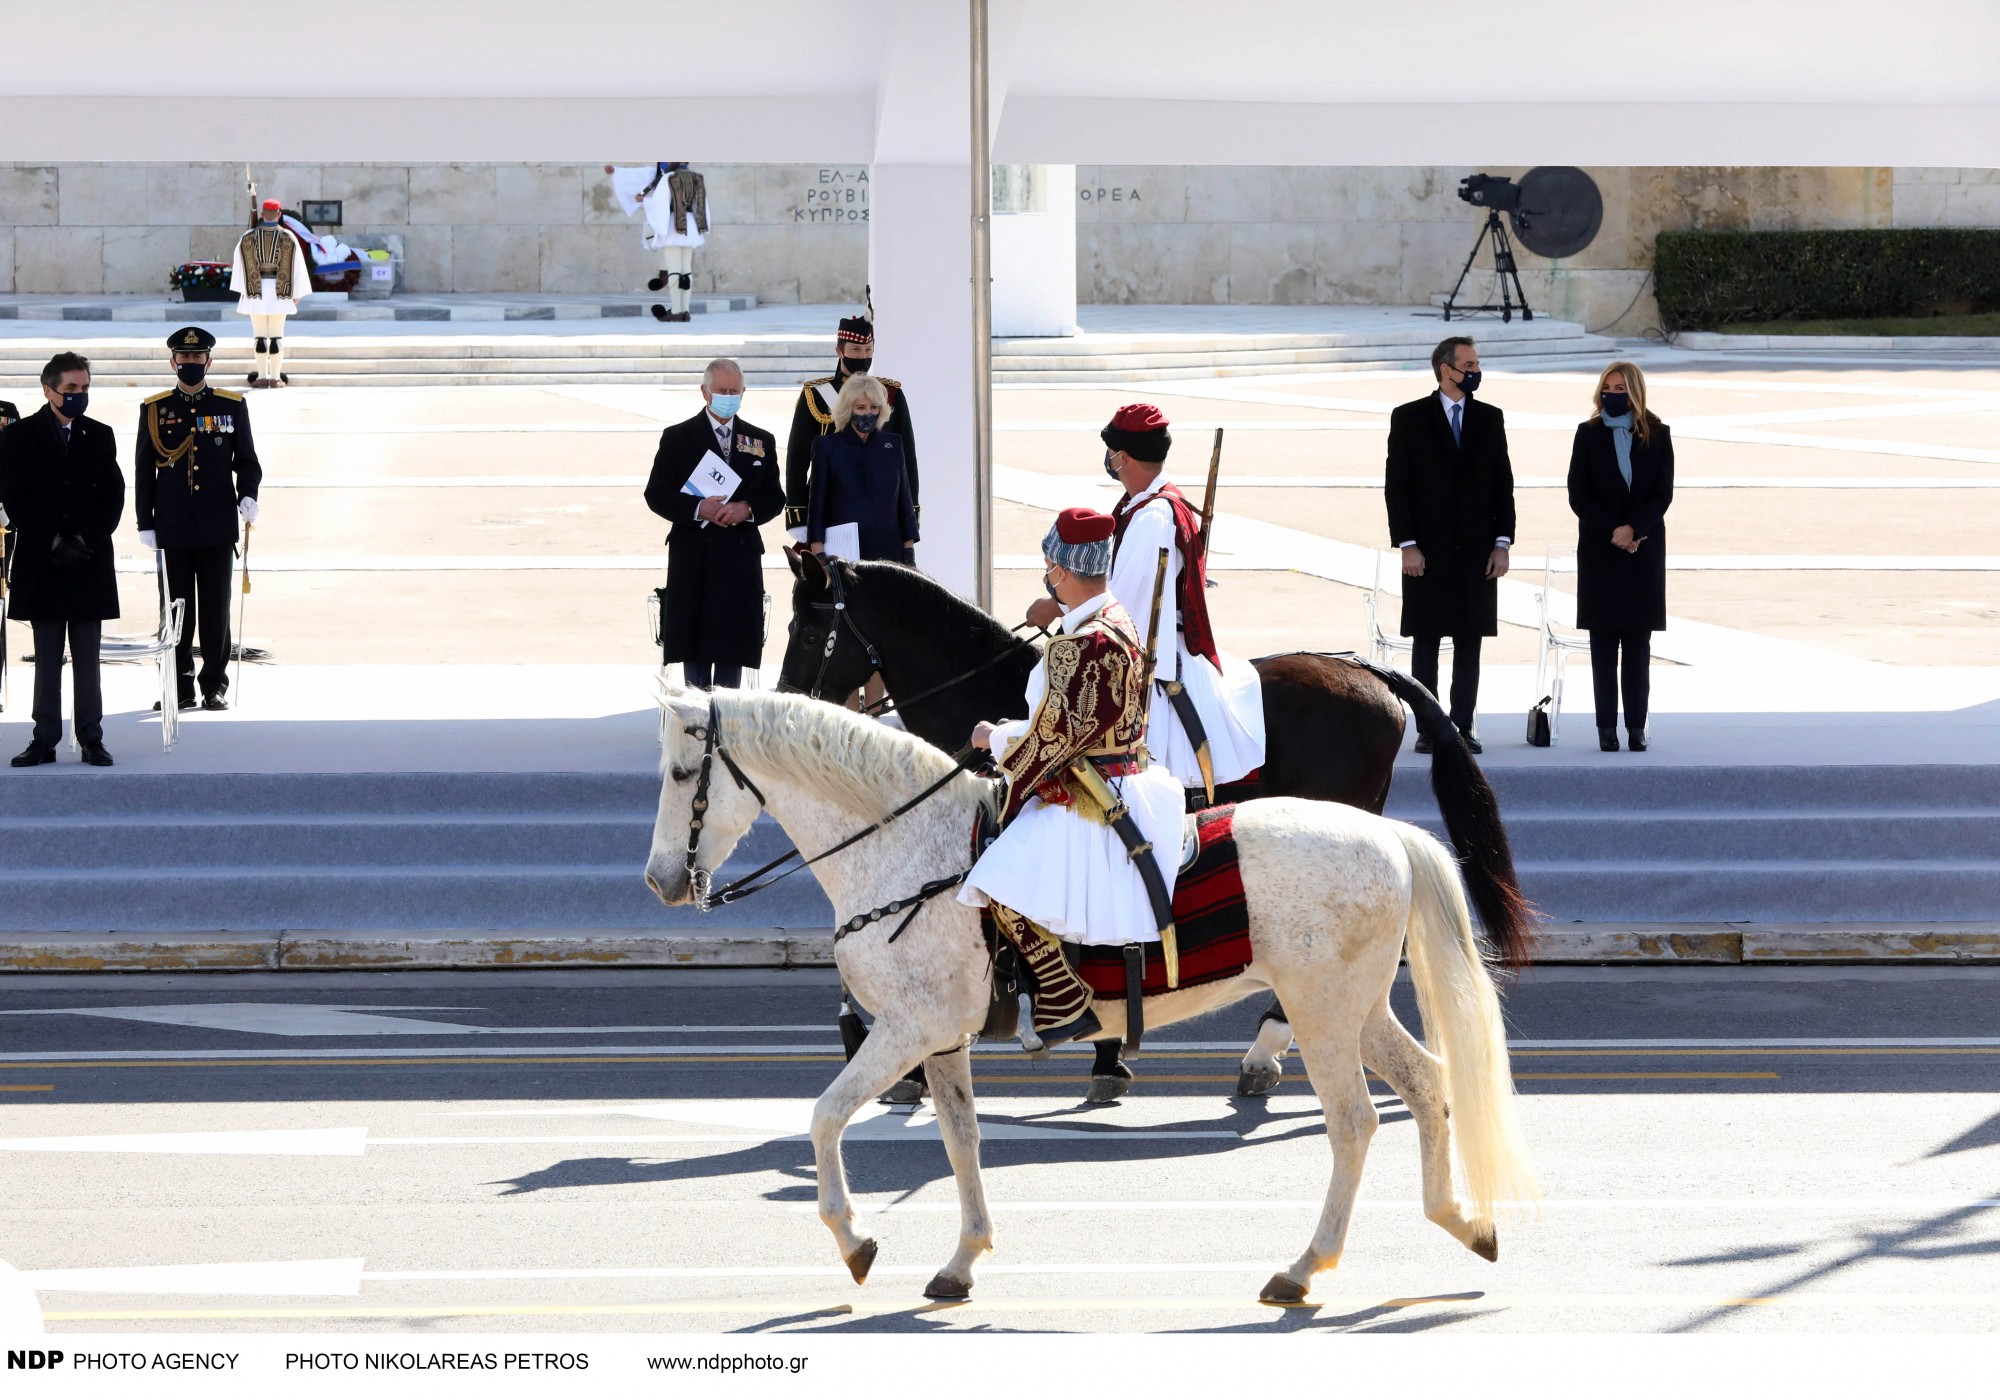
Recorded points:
1323,82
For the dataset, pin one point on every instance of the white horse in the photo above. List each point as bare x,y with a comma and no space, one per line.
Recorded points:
1331,893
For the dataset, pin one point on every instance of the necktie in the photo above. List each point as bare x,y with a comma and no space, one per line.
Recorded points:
1457,433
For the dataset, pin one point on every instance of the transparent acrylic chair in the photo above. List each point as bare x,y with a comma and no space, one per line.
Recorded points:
1384,649
159,649
1555,646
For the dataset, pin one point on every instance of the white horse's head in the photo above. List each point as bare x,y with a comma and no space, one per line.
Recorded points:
688,744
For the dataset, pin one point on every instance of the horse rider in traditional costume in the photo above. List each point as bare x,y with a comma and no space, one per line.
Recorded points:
1085,809
1206,722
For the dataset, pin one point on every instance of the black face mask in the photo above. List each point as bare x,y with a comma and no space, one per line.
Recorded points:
1110,470
865,422
1049,587
191,375
856,366
1615,405
74,404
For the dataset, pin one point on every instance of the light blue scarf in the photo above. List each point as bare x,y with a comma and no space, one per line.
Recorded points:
1621,442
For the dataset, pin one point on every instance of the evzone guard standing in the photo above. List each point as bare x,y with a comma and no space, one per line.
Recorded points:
812,419
269,274
1085,809
1206,723
195,474
675,199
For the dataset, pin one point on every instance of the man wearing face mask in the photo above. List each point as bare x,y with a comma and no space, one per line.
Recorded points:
195,475
812,419
715,478
1450,491
61,487
269,274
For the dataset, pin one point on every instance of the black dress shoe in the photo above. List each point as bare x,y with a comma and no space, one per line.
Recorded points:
1472,742
1635,740
1423,743
35,753
96,755
660,313
1607,738
214,702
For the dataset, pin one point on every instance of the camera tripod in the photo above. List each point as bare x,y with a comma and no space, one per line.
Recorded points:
1503,265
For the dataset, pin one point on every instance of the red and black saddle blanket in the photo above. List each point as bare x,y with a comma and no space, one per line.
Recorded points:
1212,926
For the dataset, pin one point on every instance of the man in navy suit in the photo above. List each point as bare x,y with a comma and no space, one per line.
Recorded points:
1450,491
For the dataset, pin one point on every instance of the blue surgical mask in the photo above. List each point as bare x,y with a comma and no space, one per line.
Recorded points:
865,422
724,406
1110,470
74,404
1615,405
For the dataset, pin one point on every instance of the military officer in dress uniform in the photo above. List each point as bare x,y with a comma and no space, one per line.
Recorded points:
196,473
812,419
1061,867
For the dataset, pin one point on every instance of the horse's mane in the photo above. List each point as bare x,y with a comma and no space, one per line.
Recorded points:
857,762
979,632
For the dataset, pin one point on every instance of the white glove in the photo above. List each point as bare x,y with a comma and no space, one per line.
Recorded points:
149,539
4,521
248,507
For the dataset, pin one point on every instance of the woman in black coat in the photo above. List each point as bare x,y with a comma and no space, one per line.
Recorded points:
858,477
64,495
1621,481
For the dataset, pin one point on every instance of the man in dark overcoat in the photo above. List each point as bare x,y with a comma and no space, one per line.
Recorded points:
61,488
195,473
712,621
1450,491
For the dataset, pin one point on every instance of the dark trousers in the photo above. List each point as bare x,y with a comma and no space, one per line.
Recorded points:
708,675
86,688
1464,674
202,576
1638,677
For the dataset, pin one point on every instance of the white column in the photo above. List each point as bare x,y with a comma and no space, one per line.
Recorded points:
920,271
1034,259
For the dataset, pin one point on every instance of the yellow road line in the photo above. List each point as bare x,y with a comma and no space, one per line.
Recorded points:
27,1088
1659,1074
879,1304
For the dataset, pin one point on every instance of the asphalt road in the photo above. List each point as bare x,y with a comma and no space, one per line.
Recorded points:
575,1151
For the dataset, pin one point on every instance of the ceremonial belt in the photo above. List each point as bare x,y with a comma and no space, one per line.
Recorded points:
1119,818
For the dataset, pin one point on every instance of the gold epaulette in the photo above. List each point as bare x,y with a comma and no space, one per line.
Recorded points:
154,398
811,400
892,383
225,393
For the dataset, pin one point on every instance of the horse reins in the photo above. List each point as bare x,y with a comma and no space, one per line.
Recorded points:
698,878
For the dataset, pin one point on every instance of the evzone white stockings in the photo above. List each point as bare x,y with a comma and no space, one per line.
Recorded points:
677,273
270,331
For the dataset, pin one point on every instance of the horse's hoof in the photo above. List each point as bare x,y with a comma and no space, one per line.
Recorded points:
1282,1291
1487,1245
1105,1088
946,1289
862,1260
904,1091
1255,1083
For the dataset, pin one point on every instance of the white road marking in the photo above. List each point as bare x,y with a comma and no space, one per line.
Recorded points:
249,1142
1929,1205
769,1119
290,1278
321,1019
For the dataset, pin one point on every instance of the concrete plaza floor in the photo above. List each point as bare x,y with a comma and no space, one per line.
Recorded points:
1830,540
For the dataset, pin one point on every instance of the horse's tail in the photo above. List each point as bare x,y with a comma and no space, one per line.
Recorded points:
1472,819
1462,1022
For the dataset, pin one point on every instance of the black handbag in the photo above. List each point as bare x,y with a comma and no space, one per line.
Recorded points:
1539,735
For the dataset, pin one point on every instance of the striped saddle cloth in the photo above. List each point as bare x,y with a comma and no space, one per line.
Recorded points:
1211,924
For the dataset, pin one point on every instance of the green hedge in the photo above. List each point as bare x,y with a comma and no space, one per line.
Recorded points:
1705,280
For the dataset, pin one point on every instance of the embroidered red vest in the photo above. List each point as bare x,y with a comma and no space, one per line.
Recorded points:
1192,586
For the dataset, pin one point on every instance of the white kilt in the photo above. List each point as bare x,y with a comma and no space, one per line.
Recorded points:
267,302
1073,876
661,234
1231,705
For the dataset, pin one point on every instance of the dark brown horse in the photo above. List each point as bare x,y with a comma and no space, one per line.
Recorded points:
1332,724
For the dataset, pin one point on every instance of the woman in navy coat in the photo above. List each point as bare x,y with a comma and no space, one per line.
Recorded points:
858,477
1621,481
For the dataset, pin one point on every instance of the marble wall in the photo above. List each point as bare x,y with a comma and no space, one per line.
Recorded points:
789,233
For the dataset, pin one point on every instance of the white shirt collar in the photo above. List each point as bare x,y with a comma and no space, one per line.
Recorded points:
1450,403
718,426
1159,484
1084,611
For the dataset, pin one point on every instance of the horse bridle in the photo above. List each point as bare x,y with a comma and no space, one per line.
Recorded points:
699,879
843,615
